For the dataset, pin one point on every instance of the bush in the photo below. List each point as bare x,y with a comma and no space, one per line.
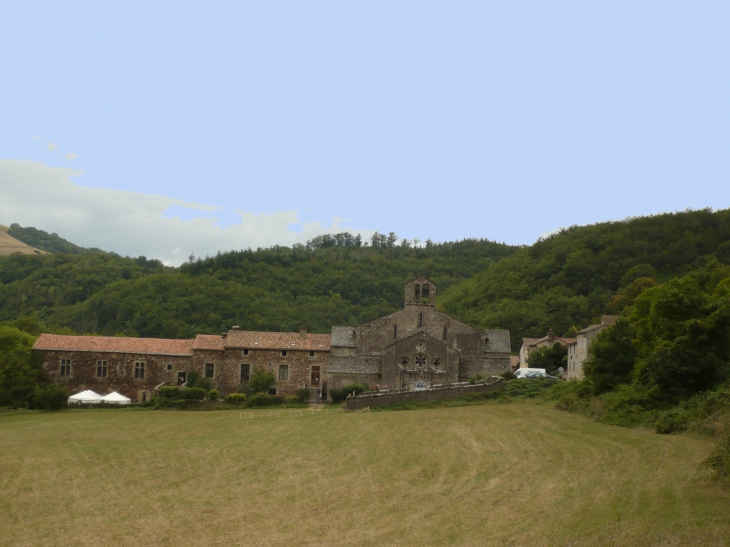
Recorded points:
262,381
719,460
477,378
213,394
237,398
204,383
303,395
194,393
339,395
264,399
508,375
51,397
192,379
168,392
292,400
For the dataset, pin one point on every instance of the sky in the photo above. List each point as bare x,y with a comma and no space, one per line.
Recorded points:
169,128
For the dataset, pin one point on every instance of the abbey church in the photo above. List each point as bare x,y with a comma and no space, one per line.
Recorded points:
414,348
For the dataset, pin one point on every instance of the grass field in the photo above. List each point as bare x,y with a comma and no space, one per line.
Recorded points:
498,474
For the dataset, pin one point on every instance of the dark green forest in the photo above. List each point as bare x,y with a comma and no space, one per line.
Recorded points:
331,280
567,279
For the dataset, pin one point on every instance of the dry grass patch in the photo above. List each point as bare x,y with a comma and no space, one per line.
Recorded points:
517,474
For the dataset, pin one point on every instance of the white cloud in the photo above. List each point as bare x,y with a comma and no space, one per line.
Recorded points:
130,223
52,147
72,156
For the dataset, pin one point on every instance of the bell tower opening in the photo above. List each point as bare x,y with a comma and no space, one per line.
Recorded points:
420,291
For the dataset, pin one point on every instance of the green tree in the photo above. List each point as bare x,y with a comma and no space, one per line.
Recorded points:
549,357
261,381
611,357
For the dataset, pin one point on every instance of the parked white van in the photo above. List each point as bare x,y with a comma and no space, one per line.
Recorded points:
523,372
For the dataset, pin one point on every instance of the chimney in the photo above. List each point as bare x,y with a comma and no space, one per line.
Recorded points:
235,327
223,335
303,331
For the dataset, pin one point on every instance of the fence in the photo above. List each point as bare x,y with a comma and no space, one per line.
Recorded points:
294,413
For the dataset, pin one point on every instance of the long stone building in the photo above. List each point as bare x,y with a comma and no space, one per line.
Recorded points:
413,348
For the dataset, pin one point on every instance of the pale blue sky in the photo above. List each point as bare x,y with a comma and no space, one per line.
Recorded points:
438,120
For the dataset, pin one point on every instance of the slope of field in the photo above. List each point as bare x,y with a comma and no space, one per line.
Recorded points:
500,474
10,245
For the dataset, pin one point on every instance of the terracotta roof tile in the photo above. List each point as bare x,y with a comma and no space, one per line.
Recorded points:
277,340
114,344
209,341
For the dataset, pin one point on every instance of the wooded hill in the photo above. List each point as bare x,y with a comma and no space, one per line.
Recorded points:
562,281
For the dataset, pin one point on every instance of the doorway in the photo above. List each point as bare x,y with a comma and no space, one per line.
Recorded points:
315,377
182,377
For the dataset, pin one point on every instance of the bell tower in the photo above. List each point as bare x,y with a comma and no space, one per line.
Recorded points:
420,291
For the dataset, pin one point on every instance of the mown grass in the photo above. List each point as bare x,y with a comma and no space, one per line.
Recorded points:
494,474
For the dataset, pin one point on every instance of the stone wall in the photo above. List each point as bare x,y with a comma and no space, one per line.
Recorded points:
446,392
119,372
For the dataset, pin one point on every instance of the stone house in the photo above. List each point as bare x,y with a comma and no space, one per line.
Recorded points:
578,350
136,367
531,344
415,347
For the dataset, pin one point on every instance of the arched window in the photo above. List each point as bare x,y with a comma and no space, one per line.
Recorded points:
395,331
403,385
420,319
446,330
417,293
425,290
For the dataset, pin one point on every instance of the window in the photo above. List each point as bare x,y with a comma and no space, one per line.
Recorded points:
418,292
425,290
420,360
169,366
311,354
403,385
436,363
283,372
283,353
101,367
245,373
395,331
144,396
245,352
209,370
446,330
139,370
420,319
403,361
65,367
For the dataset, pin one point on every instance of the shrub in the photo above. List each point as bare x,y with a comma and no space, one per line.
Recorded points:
237,398
51,397
264,399
192,379
213,394
246,389
261,381
303,395
194,393
339,395
292,400
508,375
204,383
719,460
168,392
477,378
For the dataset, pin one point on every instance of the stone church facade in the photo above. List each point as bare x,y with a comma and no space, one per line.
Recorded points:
413,348
416,347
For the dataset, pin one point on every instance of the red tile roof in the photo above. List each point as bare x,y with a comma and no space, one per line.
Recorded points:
277,340
113,344
209,341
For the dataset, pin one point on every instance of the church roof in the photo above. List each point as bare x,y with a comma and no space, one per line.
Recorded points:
277,340
113,344
343,337
498,340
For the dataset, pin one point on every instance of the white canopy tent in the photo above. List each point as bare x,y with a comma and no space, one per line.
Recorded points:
85,397
116,399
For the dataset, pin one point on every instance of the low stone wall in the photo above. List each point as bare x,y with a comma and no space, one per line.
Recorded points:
434,394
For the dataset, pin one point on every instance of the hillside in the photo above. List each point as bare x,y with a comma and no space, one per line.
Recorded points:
567,279
50,243
10,245
330,281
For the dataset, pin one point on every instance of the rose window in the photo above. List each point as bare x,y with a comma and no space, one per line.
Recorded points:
420,360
